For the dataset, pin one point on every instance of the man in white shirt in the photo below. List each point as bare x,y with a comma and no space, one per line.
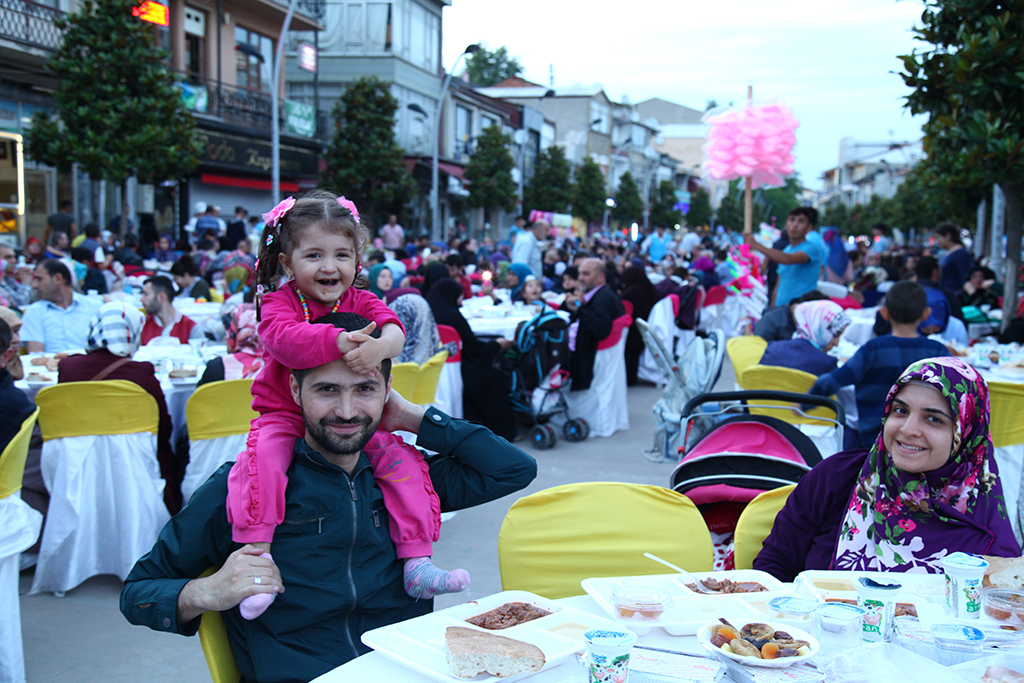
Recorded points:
689,243
393,234
527,249
59,320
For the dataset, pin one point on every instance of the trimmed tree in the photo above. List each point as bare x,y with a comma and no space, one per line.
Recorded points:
970,82
489,172
363,161
663,202
119,109
629,208
589,198
487,68
700,209
550,188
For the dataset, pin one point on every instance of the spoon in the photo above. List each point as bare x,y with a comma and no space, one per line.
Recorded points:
701,588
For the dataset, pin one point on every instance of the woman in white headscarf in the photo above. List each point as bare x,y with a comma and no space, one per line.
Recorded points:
114,336
819,324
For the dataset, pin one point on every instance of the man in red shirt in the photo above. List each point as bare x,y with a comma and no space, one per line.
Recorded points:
162,319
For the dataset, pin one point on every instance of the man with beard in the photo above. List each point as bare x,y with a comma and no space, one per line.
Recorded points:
334,570
162,318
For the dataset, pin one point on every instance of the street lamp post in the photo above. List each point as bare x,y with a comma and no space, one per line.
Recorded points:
435,204
275,124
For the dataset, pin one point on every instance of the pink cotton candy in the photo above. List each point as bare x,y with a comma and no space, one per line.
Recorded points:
753,142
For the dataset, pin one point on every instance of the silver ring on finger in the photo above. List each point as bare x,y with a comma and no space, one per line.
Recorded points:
257,580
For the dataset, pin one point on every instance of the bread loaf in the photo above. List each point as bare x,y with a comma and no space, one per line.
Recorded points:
471,652
1004,572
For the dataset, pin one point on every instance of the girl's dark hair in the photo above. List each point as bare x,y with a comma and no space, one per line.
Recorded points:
316,208
949,231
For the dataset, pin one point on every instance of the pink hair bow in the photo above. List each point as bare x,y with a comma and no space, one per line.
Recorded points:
274,217
351,206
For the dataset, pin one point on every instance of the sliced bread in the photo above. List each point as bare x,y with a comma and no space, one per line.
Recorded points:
1004,572
471,652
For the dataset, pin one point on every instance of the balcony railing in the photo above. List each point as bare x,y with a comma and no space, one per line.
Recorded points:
31,24
245,107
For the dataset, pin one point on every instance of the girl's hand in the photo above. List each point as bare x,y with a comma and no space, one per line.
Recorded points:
366,359
350,341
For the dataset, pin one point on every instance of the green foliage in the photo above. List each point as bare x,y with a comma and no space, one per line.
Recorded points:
589,200
119,110
629,208
767,202
364,162
490,172
550,188
487,68
662,202
700,209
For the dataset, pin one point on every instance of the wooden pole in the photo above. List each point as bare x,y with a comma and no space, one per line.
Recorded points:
748,193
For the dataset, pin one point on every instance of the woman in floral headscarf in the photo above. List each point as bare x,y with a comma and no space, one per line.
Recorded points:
244,358
819,324
928,487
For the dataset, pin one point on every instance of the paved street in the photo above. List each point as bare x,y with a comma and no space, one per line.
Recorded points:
82,638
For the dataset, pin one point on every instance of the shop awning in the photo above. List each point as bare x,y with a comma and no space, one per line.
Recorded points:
249,183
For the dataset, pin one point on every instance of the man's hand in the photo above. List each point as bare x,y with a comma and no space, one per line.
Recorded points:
400,414
748,239
24,275
232,583
346,341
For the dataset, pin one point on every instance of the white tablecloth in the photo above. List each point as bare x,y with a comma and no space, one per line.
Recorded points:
503,326
861,326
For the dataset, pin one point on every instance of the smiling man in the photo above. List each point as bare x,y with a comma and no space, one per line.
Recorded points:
337,574
800,263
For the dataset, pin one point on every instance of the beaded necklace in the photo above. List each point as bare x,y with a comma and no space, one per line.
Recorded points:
305,307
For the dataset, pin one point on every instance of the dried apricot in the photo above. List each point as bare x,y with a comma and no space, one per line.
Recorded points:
769,650
727,632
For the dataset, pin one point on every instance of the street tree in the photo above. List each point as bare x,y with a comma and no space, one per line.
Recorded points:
970,83
700,209
663,202
489,173
119,110
629,207
550,188
363,161
589,201
486,67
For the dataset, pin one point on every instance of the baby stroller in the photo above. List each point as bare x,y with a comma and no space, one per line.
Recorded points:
537,378
734,458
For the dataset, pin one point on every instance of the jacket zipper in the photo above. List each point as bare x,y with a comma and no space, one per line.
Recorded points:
319,522
351,578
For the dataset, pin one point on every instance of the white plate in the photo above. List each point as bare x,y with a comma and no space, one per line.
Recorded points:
419,643
689,610
704,636
825,585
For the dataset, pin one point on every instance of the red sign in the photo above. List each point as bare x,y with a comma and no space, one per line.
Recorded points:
153,12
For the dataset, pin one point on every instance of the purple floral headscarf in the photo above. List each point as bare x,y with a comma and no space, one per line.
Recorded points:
900,521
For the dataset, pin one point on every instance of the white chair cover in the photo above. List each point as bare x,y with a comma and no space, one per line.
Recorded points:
724,316
604,405
205,457
19,529
663,321
106,507
1010,460
448,398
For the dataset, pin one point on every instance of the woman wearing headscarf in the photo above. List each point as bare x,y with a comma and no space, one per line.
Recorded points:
114,336
819,324
398,271
704,271
484,394
516,277
422,339
381,280
638,290
928,486
244,358
435,272
33,250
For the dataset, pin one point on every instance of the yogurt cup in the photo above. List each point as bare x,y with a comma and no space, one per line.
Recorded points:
607,658
839,626
878,600
964,573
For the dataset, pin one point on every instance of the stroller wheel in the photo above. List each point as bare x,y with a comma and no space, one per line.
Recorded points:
574,431
539,437
552,439
584,427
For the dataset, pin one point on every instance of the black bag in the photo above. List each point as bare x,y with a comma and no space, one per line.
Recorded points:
689,315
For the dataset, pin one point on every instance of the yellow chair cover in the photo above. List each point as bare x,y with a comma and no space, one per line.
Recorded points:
12,460
113,406
213,636
429,376
550,541
745,352
216,296
220,409
755,523
774,378
1006,399
404,377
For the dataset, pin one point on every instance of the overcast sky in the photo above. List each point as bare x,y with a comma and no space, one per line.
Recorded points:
831,61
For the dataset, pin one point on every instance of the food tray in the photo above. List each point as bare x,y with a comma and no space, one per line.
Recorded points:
689,611
419,644
825,585
704,637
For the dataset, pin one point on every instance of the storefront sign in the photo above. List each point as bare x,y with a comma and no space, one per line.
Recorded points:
9,116
194,97
253,156
153,12
299,119
307,57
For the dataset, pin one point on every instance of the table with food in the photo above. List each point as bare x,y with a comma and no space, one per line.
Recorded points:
740,625
499,320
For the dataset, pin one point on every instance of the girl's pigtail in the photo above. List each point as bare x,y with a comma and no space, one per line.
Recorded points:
267,264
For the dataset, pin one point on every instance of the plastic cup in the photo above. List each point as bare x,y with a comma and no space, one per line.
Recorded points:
878,600
957,643
787,608
607,659
964,574
838,626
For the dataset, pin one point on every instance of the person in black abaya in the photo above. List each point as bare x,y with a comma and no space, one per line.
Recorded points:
638,290
484,394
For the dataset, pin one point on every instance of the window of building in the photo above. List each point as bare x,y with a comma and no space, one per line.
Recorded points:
601,113
463,130
420,34
252,72
487,121
195,43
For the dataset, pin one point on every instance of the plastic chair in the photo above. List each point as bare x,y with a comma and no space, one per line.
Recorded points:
755,523
448,397
774,378
1006,398
218,415
404,377
551,540
429,376
213,636
604,405
745,352
100,466
19,529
